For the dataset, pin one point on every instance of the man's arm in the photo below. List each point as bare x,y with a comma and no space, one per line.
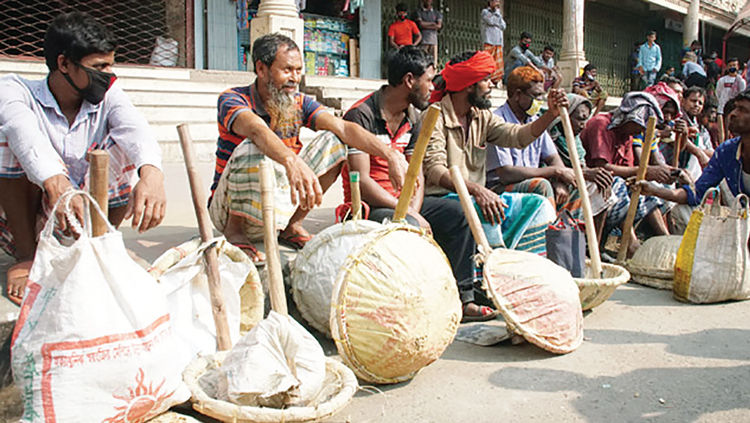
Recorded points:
303,182
678,195
490,18
415,31
513,135
392,41
355,136
372,193
657,67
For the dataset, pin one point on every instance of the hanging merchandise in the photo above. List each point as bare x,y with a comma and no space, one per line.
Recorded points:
327,45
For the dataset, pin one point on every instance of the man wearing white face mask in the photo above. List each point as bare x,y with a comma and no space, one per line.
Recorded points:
520,170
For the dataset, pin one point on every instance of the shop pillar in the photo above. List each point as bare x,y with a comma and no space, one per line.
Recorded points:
691,23
572,56
278,16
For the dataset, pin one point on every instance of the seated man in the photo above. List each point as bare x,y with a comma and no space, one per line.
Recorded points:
263,119
521,55
598,180
727,164
49,126
552,76
463,130
536,168
666,132
607,139
587,86
391,113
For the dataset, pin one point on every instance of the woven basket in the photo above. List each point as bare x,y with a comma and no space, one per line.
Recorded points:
251,293
653,263
395,305
201,378
537,298
594,292
317,265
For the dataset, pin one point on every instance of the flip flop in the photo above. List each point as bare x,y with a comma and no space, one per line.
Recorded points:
251,251
16,272
486,314
296,241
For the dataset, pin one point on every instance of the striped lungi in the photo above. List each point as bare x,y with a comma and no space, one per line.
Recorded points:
238,191
497,54
543,187
121,173
646,205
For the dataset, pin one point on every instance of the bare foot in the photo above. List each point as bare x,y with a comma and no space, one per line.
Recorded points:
18,276
234,232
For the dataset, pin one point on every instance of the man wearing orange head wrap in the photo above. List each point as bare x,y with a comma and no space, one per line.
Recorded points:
464,129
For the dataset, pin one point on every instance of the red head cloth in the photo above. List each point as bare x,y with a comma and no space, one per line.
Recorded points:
465,74
664,94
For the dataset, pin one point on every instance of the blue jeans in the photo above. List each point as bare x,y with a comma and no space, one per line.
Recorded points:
649,77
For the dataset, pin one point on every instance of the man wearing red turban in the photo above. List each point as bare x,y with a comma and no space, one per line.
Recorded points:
463,130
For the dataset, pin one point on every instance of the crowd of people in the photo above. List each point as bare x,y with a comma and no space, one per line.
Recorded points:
515,160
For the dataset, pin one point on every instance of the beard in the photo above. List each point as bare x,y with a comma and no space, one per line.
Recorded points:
281,106
479,102
416,101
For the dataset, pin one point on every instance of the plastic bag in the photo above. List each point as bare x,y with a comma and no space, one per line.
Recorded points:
712,261
566,243
276,364
93,337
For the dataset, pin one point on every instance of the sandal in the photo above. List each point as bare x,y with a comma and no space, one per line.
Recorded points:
18,272
296,241
485,314
251,251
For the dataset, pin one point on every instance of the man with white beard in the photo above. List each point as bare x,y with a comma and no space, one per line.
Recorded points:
263,120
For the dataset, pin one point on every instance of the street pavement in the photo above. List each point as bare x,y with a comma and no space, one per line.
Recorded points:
645,357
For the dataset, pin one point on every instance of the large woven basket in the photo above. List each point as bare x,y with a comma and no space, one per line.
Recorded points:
395,305
594,292
251,293
653,263
203,374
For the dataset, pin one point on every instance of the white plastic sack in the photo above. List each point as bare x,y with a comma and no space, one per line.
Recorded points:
93,341
165,52
186,287
276,364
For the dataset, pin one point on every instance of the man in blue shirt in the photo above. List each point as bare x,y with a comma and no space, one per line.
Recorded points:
649,59
730,163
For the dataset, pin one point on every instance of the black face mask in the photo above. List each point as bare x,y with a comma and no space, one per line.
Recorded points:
732,70
99,84
525,46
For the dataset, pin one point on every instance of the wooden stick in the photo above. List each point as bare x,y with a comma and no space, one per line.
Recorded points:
415,163
642,168
720,124
99,180
273,261
356,195
471,213
218,307
678,143
588,216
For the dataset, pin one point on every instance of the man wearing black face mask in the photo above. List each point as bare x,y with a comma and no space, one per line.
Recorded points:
730,84
49,126
521,55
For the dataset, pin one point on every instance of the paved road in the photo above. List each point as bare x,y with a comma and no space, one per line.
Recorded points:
646,357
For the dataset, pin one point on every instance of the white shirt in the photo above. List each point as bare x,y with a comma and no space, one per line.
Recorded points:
36,139
727,88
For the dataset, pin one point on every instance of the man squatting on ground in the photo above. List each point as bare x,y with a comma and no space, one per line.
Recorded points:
47,127
464,129
730,162
264,119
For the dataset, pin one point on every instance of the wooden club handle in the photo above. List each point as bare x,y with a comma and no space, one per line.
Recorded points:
273,261
99,180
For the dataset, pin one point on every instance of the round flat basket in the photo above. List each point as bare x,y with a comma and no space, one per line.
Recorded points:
653,263
317,266
538,299
395,305
251,293
202,377
596,291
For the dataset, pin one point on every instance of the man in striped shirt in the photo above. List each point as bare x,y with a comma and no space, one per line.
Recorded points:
263,120
48,126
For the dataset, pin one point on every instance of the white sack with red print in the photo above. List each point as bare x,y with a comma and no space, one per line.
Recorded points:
93,340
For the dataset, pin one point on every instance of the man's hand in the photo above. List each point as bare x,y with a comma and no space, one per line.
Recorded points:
397,166
55,187
680,126
599,176
565,175
303,183
561,193
660,173
647,188
489,202
555,99
148,202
